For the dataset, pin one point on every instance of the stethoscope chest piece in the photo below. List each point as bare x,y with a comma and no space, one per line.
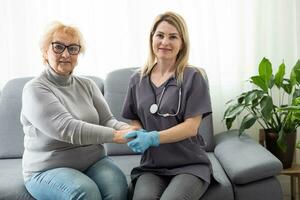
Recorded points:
153,108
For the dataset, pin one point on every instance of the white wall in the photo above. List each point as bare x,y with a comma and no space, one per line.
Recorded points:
228,37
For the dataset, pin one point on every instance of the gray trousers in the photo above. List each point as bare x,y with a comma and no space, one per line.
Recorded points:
182,187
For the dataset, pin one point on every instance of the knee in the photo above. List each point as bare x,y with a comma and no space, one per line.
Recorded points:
139,196
116,193
86,191
145,195
116,196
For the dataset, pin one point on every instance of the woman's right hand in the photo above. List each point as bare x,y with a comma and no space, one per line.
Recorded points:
119,135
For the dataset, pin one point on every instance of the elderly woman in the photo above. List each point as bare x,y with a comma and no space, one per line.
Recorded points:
66,121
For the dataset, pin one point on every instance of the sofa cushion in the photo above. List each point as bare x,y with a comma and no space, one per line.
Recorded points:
11,132
220,189
99,82
252,162
206,130
11,180
115,88
269,188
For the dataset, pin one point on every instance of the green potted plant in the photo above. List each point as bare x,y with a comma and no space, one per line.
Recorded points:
274,103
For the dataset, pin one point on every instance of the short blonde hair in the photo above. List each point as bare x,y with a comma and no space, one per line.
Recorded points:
56,27
183,55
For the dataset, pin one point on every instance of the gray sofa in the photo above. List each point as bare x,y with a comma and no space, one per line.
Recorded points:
244,170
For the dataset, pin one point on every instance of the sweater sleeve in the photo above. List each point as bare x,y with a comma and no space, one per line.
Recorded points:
43,111
106,118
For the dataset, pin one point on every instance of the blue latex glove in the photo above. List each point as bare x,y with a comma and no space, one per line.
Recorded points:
143,140
133,134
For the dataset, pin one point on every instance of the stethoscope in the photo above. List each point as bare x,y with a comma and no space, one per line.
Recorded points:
154,108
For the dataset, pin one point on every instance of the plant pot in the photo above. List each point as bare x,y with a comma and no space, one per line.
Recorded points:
271,144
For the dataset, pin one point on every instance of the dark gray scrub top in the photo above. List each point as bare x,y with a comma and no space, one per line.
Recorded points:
186,156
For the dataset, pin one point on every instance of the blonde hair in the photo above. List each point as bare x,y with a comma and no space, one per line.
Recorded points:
183,55
56,27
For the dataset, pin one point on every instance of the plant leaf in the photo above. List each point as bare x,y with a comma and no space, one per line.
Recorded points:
296,117
296,101
279,75
271,82
280,141
250,96
266,105
296,93
229,122
298,144
234,111
229,108
290,108
260,82
293,79
241,95
296,70
247,122
265,69
240,99
256,100
287,86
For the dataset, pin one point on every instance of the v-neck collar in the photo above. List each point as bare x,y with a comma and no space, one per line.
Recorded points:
165,83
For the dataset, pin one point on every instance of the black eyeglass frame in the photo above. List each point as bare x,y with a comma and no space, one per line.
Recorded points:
65,46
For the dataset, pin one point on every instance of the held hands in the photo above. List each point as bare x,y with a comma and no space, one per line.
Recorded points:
119,135
142,140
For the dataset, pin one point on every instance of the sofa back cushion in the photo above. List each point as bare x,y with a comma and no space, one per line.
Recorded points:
115,88
206,128
11,130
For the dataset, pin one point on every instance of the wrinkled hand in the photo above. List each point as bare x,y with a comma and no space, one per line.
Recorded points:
142,140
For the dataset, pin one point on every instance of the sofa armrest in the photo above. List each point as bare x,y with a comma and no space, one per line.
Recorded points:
243,159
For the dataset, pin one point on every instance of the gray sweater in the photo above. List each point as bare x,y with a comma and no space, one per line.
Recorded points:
65,120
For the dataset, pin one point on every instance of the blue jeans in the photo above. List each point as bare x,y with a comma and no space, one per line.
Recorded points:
103,180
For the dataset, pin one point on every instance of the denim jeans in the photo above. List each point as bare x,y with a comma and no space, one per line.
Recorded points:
103,180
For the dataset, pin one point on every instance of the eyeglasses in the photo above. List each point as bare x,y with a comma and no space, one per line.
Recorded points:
59,48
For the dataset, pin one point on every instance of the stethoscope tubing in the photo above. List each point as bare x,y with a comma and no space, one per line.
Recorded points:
154,108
